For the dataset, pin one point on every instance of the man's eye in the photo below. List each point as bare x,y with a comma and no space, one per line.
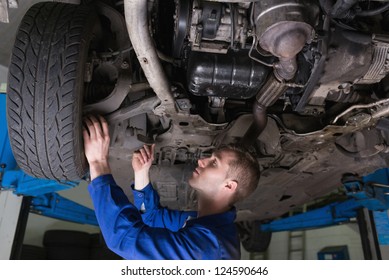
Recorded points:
214,163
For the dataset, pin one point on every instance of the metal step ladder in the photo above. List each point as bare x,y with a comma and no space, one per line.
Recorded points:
296,245
296,240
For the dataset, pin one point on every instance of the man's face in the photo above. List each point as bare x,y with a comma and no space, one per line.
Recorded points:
211,173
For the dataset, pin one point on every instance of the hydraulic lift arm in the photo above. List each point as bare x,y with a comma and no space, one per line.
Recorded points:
371,192
55,206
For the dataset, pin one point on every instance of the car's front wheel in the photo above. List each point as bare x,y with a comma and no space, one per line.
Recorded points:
46,88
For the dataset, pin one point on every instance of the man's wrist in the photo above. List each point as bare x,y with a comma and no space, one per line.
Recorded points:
142,179
99,168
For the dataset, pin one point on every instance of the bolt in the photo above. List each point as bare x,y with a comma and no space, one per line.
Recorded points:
125,65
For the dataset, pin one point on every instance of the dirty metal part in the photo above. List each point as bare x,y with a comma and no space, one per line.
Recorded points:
117,24
380,111
266,97
379,66
283,28
232,75
138,30
141,106
216,28
115,99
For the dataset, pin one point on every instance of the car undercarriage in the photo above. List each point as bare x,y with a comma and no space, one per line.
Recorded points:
303,84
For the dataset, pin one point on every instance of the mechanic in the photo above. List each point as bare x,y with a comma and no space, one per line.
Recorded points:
145,230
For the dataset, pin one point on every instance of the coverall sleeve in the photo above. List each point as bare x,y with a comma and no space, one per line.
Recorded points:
128,236
154,215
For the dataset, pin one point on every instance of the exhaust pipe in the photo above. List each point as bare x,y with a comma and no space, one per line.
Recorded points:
138,29
283,29
266,97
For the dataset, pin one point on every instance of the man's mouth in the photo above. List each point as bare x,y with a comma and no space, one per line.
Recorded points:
196,171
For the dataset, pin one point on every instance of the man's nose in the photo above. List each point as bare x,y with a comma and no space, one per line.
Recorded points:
201,162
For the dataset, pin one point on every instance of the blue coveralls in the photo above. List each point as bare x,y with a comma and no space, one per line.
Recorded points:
148,231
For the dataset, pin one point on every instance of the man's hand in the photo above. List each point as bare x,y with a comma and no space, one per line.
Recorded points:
143,158
96,145
141,163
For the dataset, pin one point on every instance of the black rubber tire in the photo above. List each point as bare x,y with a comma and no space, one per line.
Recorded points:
67,244
31,252
99,249
66,238
45,90
67,253
253,239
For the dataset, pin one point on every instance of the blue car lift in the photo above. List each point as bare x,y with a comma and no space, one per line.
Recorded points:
371,192
368,203
43,192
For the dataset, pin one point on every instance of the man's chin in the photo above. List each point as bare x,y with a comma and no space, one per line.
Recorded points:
192,182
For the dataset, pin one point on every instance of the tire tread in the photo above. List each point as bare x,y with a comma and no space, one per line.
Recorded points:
43,88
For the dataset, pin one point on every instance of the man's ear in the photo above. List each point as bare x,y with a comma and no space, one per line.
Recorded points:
231,185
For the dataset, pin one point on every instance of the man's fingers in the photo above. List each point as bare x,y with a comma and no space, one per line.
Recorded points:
97,125
104,125
144,154
147,149
152,148
91,127
85,133
138,156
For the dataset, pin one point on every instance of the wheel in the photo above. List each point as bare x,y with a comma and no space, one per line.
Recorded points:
31,252
67,245
46,88
252,238
99,249
64,238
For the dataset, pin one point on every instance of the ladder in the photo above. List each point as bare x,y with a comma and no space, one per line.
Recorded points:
296,245
296,240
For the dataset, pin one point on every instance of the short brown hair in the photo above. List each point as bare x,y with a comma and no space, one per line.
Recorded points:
244,169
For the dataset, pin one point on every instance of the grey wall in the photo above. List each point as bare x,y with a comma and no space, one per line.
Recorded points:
8,30
3,74
8,33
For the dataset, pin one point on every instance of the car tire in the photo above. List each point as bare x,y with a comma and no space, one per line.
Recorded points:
46,87
32,252
65,238
67,245
253,239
